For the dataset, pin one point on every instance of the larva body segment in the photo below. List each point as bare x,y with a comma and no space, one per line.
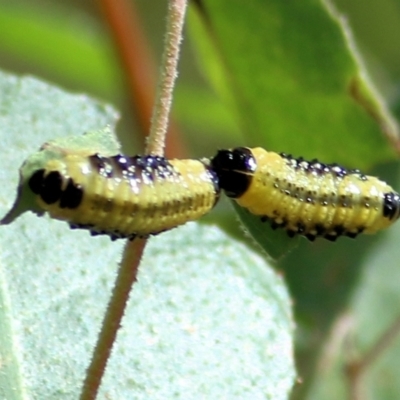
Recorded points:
307,198
124,196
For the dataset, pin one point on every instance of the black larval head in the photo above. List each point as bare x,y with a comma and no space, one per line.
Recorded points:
234,169
391,205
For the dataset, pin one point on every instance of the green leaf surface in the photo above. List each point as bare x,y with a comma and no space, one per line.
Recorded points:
207,319
286,72
275,242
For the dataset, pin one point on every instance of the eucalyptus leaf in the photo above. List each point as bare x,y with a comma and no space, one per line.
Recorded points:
207,319
293,80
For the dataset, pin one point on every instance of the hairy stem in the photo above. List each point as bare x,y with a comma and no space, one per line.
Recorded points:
137,62
133,251
126,277
168,73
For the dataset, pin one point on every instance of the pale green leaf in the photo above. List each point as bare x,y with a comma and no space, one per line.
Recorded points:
207,319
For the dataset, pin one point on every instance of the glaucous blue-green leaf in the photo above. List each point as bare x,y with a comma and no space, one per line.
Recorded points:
207,316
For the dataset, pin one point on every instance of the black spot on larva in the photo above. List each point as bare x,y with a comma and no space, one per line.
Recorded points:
292,161
123,166
96,161
80,226
147,166
391,205
316,167
334,233
235,169
162,167
114,235
101,165
144,162
358,174
331,237
281,224
72,195
352,235
320,229
36,181
291,233
121,162
157,163
337,170
140,167
300,227
339,230
52,187
363,177
310,237
152,166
